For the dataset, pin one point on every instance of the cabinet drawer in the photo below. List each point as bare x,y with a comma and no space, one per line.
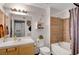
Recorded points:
12,51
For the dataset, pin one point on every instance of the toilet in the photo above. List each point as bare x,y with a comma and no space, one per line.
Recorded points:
44,51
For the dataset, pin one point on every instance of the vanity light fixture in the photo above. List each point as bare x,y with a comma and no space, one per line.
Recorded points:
18,10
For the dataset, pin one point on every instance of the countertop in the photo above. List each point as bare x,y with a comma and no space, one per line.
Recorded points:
12,43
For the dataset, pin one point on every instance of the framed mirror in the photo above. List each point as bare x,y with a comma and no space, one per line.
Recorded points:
4,29
20,25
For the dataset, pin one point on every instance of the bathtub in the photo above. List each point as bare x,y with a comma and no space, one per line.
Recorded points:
61,48
65,45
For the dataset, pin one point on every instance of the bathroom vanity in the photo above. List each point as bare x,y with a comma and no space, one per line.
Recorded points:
14,40
21,46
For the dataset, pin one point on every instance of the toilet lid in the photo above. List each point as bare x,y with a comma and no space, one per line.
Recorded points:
45,49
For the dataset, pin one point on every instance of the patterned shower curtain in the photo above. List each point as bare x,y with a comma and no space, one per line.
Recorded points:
74,30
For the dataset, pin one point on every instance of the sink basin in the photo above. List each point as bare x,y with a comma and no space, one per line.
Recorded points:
7,44
19,41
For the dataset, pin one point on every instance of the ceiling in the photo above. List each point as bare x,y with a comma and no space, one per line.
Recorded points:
54,7
57,6
60,6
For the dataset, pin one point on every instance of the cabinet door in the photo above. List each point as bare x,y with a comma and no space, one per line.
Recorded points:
28,49
2,51
12,51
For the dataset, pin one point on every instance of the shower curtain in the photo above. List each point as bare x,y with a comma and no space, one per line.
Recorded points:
74,30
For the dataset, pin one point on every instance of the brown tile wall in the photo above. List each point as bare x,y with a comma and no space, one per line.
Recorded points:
56,30
66,36
59,30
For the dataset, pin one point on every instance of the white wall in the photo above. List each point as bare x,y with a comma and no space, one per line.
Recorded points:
46,31
61,14
47,22
2,9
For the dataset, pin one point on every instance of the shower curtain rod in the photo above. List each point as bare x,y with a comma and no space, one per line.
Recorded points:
76,4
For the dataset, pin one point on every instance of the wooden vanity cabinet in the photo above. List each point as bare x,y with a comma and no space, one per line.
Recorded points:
28,49
2,51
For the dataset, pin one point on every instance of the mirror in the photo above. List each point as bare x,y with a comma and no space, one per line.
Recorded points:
4,30
20,25
8,25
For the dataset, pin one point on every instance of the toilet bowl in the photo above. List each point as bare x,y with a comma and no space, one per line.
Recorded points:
44,51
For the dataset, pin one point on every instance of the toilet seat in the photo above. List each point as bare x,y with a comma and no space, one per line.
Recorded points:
45,50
